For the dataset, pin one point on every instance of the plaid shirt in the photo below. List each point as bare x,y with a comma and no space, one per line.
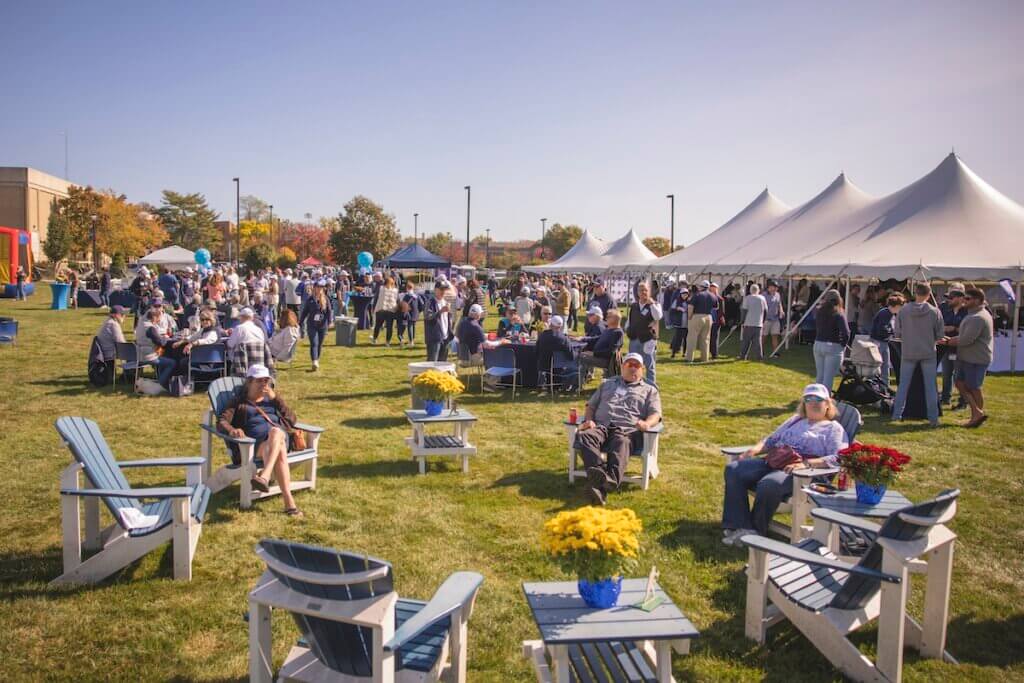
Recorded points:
250,353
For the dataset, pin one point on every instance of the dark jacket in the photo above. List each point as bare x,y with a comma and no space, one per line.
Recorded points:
609,340
605,302
431,323
413,300
593,330
235,414
547,344
881,325
471,335
311,309
641,325
831,327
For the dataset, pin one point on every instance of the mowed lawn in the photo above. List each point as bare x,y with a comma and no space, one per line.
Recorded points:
142,625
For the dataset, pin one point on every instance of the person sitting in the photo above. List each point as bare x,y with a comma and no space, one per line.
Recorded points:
156,347
542,321
549,342
621,406
247,345
260,413
471,335
111,334
283,342
264,314
813,434
593,326
515,326
605,345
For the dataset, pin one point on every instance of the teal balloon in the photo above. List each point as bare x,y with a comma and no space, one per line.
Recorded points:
203,257
365,259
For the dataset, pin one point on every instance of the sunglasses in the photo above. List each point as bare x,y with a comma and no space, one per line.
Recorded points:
813,399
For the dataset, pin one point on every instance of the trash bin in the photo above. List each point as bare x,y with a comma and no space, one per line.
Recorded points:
421,367
345,331
60,291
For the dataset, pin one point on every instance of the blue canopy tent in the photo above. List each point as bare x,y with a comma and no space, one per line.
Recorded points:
414,256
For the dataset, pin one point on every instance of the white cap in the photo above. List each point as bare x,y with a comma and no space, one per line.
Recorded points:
556,321
246,313
257,371
704,284
633,356
476,309
819,390
596,310
524,291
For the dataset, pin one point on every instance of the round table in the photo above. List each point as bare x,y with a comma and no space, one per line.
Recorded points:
526,359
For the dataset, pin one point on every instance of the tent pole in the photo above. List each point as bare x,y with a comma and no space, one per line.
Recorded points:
846,304
789,312
807,312
1016,328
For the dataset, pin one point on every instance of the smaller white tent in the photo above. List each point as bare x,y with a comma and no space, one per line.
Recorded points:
628,253
172,257
584,253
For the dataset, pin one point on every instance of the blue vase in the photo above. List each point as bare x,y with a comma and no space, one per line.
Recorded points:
600,594
868,494
433,408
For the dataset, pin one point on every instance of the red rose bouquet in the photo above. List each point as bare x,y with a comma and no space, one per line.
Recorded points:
873,465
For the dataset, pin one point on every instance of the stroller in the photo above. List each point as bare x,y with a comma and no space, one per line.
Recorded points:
862,383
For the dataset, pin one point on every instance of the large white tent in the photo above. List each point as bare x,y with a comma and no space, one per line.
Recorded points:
586,252
628,253
172,257
759,215
591,255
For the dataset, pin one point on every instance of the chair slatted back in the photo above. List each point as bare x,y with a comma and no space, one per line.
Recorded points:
345,648
850,418
857,590
8,330
500,357
221,391
90,449
126,352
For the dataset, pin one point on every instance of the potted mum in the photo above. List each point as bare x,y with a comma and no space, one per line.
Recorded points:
436,388
598,546
873,468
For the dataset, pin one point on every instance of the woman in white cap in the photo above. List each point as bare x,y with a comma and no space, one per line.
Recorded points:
812,437
524,306
317,314
259,412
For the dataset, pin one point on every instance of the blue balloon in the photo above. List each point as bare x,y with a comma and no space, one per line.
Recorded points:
365,259
202,256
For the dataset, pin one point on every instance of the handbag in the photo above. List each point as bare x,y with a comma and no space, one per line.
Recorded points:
180,386
780,457
297,437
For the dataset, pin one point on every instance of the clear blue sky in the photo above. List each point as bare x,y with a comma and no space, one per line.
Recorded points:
578,112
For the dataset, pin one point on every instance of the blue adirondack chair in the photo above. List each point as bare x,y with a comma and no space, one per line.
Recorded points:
242,451
827,599
354,626
176,514
8,331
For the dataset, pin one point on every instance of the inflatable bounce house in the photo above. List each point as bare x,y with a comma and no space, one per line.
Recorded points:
15,251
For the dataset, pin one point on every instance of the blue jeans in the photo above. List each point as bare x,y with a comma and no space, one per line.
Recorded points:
771,487
637,346
883,351
947,378
316,340
104,298
165,369
931,394
407,327
20,296
828,360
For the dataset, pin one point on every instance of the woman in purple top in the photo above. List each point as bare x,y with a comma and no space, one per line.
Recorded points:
812,432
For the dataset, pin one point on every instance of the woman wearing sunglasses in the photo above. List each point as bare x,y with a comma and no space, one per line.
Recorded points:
812,433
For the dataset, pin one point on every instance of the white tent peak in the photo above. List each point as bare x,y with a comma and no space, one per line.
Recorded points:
169,256
628,249
585,253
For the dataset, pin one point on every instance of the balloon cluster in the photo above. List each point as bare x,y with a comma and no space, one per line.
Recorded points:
365,260
203,261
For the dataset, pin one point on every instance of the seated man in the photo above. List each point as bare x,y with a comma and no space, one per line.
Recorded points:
247,345
620,407
593,326
471,334
111,333
606,344
551,341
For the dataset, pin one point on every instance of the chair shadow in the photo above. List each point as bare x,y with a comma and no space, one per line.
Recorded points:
702,537
402,467
987,642
545,485
18,569
768,411
400,391
374,422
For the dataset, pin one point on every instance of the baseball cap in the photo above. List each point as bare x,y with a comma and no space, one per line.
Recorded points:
246,313
704,284
817,390
477,309
118,310
257,371
599,282
633,356
956,288
556,321
596,310
524,291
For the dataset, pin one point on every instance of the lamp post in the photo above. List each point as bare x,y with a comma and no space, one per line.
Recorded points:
467,223
672,230
270,232
487,250
95,267
415,228
238,223
543,235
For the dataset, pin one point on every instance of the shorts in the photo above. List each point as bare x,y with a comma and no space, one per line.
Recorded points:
971,374
771,327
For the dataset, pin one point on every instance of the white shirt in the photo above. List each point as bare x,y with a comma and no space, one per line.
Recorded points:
246,332
442,318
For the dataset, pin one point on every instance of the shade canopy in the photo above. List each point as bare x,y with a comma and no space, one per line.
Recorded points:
172,256
310,261
584,254
414,256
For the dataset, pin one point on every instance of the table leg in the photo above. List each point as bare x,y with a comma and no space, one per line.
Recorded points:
936,601
560,658
423,464
664,663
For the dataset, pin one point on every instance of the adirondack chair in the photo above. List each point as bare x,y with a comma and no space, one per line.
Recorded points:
9,331
244,465
826,599
799,504
354,626
644,447
178,510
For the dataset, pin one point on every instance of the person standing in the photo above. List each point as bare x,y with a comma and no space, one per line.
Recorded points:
601,298
677,318
105,287
574,304
753,313
168,284
953,312
317,314
642,329
20,283
882,331
921,327
717,319
974,346
832,334
384,308
774,315
437,323
699,311
408,314
472,297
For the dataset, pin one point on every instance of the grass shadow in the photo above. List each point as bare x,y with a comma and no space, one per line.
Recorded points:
374,422
702,537
403,467
768,411
544,485
987,642
400,391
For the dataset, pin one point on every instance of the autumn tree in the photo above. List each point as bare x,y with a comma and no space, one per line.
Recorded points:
121,227
659,245
189,220
559,239
253,232
304,239
437,244
363,226
259,256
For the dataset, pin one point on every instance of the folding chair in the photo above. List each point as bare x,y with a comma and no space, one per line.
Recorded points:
128,355
501,363
559,370
208,361
467,362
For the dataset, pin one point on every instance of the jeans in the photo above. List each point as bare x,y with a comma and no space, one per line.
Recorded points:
165,369
883,351
713,340
406,327
572,322
316,340
947,378
104,298
751,336
637,346
931,394
678,341
771,487
699,337
20,295
384,318
437,351
828,360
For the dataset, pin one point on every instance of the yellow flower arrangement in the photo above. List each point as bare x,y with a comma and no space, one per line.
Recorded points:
594,542
434,385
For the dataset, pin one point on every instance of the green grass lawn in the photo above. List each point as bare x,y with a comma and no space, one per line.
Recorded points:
142,625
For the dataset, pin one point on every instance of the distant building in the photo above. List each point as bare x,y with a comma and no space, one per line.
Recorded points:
227,231
27,198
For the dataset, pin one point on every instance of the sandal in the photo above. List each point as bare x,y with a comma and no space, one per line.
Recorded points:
294,512
260,484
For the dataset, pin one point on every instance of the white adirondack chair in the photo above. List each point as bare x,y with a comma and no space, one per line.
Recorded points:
645,448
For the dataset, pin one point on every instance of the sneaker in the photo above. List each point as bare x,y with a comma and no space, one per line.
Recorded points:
596,495
598,477
735,535
373,341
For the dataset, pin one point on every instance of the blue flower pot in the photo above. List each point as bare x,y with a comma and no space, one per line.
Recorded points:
433,408
868,494
600,594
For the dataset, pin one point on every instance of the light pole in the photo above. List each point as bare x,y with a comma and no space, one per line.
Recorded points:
415,228
543,234
271,231
238,223
467,224
672,230
487,250
95,267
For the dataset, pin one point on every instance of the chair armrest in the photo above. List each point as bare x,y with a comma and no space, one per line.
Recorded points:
162,492
733,451
457,591
312,429
656,429
812,472
791,552
842,519
162,462
227,437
